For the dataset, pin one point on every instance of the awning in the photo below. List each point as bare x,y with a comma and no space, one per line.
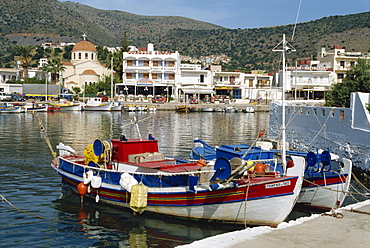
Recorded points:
196,91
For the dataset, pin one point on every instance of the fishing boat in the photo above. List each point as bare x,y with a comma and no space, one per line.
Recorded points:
132,173
207,109
34,107
96,104
67,105
116,106
7,108
248,110
229,109
326,179
182,108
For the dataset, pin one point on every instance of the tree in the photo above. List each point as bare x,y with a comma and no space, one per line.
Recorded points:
54,66
25,57
357,80
118,58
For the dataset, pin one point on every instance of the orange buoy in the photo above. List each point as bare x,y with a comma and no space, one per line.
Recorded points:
260,168
290,163
82,189
201,162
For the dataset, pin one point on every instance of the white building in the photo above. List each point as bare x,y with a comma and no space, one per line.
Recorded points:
84,67
338,60
148,72
194,82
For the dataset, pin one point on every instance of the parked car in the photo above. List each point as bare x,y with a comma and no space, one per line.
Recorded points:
193,100
5,96
103,97
17,98
159,99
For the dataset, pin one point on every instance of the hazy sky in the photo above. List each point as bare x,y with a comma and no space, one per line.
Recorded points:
236,13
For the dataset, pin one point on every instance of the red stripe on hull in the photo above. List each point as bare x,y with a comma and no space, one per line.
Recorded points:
272,188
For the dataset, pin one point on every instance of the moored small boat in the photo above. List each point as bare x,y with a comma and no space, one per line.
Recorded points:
7,108
182,108
96,104
207,109
132,173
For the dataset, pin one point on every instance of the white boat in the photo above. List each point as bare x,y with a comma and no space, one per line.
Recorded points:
142,108
67,105
96,104
207,109
248,110
229,110
326,179
34,107
116,106
131,108
151,109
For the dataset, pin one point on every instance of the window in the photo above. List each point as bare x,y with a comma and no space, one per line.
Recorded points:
74,55
201,79
323,112
92,56
79,55
352,63
251,83
340,75
342,63
86,55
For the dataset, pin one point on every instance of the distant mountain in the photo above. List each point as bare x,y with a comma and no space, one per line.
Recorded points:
36,21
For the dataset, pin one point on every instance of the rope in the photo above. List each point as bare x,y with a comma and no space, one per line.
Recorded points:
38,216
357,211
245,204
358,181
43,132
334,214
335,190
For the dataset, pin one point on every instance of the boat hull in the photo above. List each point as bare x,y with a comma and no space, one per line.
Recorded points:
260,202
326,191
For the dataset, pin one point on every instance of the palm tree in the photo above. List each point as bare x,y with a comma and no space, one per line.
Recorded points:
54,66
25,57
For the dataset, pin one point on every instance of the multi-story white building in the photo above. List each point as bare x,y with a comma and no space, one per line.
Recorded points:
148,72
338,60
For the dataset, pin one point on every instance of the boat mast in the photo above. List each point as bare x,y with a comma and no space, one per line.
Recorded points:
111,79
286,49
283,127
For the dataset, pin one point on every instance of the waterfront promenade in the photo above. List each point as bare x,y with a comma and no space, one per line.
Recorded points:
349,228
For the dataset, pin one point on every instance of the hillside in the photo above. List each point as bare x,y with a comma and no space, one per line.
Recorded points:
23,23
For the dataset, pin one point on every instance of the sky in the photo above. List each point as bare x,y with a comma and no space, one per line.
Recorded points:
237,13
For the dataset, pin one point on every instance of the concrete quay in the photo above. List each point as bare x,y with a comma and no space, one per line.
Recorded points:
350,227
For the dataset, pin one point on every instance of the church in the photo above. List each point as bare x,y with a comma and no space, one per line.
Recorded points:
84,67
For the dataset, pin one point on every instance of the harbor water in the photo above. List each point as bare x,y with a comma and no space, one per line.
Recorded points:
37,210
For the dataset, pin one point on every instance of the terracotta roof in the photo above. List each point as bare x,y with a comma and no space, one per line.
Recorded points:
89,72
84,46
67,63
71,82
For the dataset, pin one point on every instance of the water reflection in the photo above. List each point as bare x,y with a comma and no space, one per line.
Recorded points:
118,227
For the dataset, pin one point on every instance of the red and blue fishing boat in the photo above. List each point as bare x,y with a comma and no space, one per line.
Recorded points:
132,173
